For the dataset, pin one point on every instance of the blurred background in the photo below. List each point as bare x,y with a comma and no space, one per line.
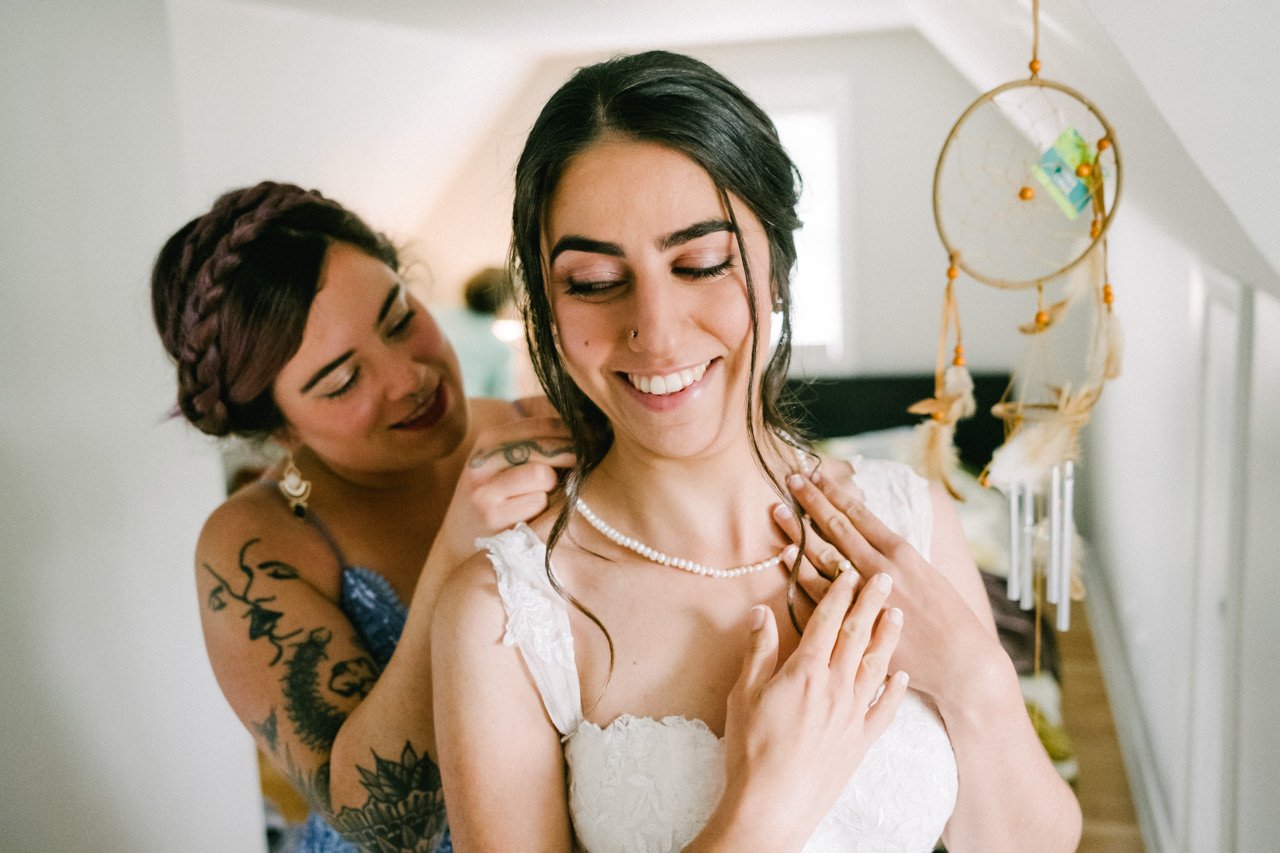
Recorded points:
120,120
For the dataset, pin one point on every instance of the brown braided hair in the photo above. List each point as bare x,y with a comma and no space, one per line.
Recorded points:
230,293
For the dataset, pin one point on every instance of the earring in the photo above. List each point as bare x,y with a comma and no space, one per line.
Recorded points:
295,489
635,333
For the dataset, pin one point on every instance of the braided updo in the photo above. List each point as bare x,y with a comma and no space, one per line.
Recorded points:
231,291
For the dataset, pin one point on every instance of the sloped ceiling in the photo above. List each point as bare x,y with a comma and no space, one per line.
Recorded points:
1190,92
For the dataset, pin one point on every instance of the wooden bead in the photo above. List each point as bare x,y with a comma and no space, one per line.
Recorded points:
1095,228
1104,143
1108,295
958,360
1026,193
1034,65
1042,318
952,272
1084,170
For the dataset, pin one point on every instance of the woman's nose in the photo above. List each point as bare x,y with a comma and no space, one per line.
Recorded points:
653,324
404,376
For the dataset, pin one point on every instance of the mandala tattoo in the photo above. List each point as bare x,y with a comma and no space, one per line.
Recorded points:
518,452
405,810
263,621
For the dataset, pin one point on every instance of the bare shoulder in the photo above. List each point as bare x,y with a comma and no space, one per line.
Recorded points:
469,605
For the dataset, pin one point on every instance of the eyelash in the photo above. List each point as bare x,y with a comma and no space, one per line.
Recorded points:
395,331
346,386
588,288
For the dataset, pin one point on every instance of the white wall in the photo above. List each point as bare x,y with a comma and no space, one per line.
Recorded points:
1180,505
375,115
113,735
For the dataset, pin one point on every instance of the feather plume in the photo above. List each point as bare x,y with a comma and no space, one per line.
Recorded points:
937,458
957,386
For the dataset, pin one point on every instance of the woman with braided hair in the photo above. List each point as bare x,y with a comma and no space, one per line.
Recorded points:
288,320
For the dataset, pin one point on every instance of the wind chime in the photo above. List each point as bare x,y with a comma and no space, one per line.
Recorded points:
1024,192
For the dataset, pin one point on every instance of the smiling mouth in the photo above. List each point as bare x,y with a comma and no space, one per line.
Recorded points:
425,414
669,383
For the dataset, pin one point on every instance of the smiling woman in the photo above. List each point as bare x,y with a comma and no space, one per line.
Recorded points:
592,666
288,320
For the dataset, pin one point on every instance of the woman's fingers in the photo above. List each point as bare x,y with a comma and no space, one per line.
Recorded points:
762,658
881,713
824,625
517,443
855,642
868,525
835,525
826,561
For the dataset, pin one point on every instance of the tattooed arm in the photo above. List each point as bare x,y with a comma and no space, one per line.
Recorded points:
294,670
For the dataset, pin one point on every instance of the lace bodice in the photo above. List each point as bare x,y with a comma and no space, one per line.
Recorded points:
641,784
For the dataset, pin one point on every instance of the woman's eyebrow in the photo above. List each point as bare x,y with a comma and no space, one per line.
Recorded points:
326,370
693,232
577,243
396,290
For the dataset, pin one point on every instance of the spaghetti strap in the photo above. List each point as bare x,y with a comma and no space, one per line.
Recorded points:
314,520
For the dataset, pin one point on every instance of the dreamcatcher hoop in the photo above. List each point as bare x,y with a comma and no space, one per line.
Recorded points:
1096,178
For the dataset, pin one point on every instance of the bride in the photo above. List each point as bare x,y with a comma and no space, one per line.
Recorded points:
608,676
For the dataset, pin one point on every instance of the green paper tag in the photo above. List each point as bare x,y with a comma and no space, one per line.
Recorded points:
1056,172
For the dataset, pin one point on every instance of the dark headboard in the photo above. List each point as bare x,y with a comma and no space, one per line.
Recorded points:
846,405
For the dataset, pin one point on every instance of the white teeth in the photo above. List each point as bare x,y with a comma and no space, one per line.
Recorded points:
669,384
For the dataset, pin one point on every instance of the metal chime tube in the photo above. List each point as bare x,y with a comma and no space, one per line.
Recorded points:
1064,544
1053,568
1013,581
1028,531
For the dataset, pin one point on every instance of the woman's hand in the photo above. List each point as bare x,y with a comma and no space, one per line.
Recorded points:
507,479
794,737
948,647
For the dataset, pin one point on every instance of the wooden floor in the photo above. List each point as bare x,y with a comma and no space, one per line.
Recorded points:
1110,823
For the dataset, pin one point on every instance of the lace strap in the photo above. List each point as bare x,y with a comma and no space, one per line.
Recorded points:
537,622
900,498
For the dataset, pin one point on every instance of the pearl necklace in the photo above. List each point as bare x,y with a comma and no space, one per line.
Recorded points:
656,556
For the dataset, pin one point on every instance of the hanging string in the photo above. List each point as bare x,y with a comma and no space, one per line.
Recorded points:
1034,65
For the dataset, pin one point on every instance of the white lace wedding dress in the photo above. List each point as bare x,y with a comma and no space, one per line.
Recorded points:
641,784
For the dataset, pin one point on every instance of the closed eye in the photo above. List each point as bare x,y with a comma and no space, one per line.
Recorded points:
596,288
402,325
700,273
346,386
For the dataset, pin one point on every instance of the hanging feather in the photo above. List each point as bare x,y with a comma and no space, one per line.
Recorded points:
957,387
937,458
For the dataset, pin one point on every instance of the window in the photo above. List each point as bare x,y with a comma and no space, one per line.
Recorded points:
810,137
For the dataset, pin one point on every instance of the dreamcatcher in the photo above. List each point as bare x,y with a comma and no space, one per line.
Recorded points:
1025,189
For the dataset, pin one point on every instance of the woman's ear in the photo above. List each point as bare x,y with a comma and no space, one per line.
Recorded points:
286,439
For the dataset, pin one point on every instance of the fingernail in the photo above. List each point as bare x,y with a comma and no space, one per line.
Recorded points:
901,677
884,582
757,617
844,566
895,615
789,553
795,481
815,476
782,512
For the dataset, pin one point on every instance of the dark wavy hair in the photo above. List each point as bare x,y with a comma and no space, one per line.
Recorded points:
683,104
230,293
